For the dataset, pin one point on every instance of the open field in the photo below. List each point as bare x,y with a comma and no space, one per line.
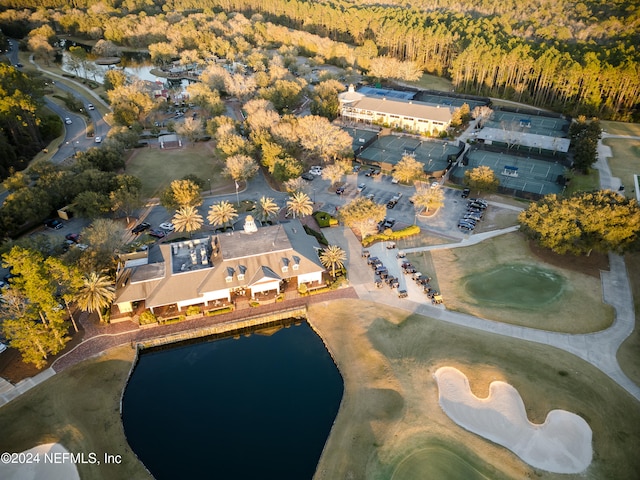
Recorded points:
390,412
580,298
431,82
157,168
620,128
625,161
79,408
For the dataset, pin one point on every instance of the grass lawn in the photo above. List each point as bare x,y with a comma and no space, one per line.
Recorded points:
432,82
580,296
584,183
390,410
628,357
620,128
157,168
79,408
625,161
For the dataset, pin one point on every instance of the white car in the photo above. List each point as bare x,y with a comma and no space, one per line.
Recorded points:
68,121
316,170
98,140
167,226
90,107
3,347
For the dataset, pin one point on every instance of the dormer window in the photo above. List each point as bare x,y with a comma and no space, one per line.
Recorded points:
296,262
241,271
230,272
285,264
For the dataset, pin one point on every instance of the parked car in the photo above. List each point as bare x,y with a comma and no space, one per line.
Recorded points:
90,106
74,237
372,173
356,168
316,170
372,260
388,223
67,120
391,204
466,192
3,347
168,226
98,139
54,224
308,176
402,294
340,190
158,233
140,228
369,196
361,187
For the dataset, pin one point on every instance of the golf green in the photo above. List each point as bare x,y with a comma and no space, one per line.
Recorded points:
516,285
436,462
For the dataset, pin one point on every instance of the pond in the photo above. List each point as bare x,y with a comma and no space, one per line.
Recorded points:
257,407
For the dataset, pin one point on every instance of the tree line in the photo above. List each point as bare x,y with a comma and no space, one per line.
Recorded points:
572,62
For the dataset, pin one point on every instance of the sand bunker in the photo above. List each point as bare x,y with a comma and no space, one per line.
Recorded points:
562,444
49,465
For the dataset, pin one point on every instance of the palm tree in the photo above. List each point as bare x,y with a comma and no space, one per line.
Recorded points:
222,213
300,204
267,208
332,257
187,219
427,198
96,293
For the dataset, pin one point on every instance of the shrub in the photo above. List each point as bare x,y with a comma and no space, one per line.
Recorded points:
388,234
324,219
254,303
169,321
219,311
319,236
303,289
193,310
147,317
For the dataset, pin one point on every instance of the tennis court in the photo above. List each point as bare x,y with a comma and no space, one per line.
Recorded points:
360,137
527,123
455,102
386,93
519,173
390,149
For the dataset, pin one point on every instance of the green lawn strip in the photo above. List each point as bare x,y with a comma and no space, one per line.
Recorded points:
581,297
390,409
79,408
424,264
583,183
628,357
157,168
625,161
620,128
433,82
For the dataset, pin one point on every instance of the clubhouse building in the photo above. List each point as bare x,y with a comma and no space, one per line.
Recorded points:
409,115
216,268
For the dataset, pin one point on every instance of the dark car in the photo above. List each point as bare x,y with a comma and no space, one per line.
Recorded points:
74,237
140,228
308,176
402,294
388,223
340,190
391,204
158,233
53,224
372,260
466,192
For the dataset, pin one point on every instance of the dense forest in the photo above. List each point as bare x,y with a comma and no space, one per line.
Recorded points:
574,57
22,132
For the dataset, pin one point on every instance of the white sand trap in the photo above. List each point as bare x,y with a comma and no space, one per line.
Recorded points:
50,468
562,444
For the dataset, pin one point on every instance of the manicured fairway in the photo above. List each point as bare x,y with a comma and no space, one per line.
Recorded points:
436,462
515,286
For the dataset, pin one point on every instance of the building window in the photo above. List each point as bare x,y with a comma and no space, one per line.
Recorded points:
229,279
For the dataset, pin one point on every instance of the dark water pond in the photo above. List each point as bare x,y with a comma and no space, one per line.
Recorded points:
256,407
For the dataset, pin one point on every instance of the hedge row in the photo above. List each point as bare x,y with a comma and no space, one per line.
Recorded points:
383,237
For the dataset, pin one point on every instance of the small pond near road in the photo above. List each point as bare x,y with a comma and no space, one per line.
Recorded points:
255,407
